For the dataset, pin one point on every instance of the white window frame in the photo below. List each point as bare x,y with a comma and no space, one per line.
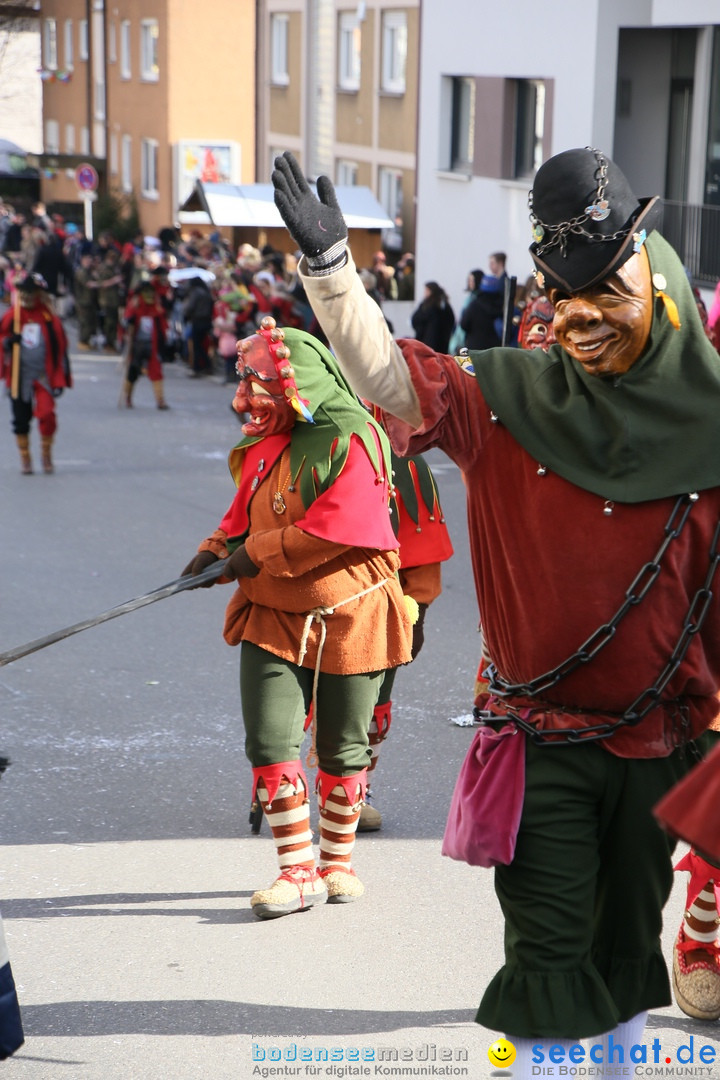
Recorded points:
68,43
394,52
113,156
50,45
52,137
126,163
529,128
125,50
112,42
69,138
279,36
149,152
346,173
149,35
458,108
349,54
390,191
83,45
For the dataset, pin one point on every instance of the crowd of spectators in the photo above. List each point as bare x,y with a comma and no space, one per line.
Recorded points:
211,295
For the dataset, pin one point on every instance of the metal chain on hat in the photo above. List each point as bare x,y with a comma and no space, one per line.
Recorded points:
598,210
636,592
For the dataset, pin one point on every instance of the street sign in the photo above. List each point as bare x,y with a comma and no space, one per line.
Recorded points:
86,177
88,198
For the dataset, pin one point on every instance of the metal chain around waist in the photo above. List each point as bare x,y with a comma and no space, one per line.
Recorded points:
652,696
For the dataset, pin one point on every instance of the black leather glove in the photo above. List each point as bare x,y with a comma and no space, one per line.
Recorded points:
197,564
57,391
10,340
240,564
418,631
315,223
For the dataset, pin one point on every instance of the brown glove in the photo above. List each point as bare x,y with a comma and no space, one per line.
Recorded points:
240,564
197,564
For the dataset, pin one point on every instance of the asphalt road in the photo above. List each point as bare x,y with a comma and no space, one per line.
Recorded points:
127,860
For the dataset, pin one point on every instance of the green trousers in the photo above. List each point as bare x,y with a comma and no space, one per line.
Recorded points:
583,897
276,696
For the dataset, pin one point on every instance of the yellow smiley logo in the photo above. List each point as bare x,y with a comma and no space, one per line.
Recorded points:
501,1053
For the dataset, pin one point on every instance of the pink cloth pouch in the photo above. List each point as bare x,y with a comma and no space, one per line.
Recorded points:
487,802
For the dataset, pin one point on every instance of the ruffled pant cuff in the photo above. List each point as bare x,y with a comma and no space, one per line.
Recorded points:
573,1004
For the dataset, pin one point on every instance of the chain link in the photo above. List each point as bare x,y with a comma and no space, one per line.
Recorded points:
651,697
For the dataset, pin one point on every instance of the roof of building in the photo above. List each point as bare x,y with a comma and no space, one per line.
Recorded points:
253,205
13,160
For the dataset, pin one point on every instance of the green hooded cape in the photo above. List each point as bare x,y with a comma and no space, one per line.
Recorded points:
650,433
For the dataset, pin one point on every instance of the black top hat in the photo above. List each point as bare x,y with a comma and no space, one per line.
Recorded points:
586,219
31,283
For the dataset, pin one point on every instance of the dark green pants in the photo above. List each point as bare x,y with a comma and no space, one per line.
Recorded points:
583,897
276,696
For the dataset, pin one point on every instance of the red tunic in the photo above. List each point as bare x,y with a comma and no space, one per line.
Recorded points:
56,369
550,567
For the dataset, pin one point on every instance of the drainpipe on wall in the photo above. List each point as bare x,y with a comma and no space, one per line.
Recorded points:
89,73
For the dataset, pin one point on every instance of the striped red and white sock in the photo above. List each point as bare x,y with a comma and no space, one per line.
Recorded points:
286,806
700,922
340,800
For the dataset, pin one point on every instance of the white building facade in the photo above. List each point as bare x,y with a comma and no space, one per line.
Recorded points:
506,85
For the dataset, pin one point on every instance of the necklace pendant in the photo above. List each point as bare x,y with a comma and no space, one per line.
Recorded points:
278,503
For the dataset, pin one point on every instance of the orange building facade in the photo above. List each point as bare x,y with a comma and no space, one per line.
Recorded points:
153,94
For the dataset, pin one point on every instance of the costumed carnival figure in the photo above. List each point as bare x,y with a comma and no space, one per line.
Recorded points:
35,366
419,524
145,319
593,488
691,812
11,1028
318,608
535,331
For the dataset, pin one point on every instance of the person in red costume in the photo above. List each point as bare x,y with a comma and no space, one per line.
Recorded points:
690,811
35,366
146,324
594,527
425,544
535,331
318,609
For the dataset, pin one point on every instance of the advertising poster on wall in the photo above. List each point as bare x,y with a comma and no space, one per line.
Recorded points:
208,161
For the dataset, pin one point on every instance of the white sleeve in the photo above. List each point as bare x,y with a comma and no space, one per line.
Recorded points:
361,340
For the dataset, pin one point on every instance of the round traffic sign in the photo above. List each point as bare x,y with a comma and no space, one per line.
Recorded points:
86,177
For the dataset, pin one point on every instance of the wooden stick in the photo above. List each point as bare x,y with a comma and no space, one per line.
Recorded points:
15,369
208,575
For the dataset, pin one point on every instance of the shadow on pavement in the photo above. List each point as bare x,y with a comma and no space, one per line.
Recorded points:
82,1019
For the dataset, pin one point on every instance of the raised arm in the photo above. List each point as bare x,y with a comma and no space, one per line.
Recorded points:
352,321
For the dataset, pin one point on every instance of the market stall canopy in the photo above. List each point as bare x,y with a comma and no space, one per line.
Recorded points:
253,206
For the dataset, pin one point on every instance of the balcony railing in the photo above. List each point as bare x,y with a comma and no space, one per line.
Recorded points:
694,232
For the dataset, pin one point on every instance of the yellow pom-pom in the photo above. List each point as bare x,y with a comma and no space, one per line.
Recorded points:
411,606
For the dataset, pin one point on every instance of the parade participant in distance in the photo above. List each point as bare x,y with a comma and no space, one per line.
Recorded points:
318,607
593,485
35,367
146,329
